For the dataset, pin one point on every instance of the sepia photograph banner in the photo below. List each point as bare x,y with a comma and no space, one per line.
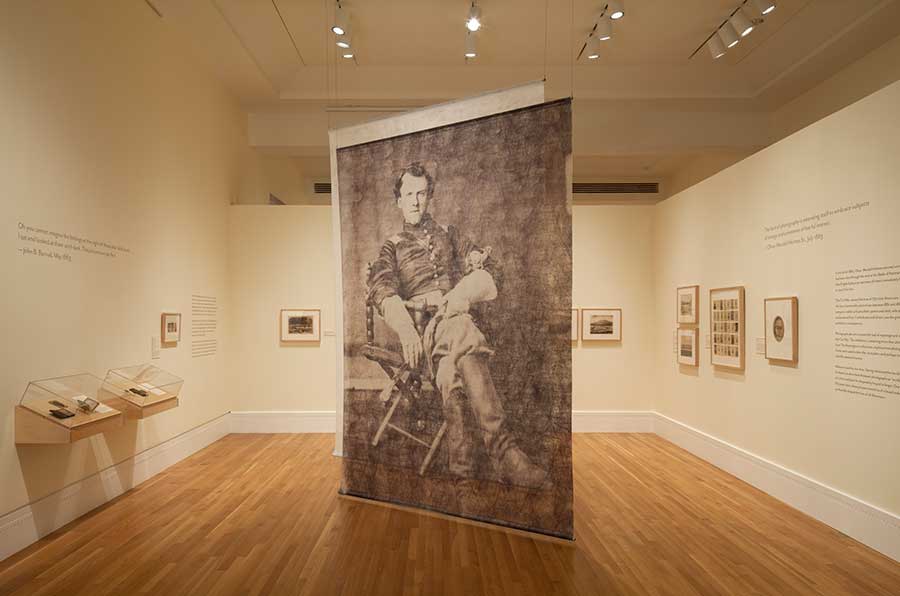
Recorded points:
456,255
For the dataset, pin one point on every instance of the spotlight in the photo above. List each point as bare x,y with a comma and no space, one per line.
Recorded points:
348,55
729,35
343,41
742,24
471,52
593,48
604,29
473,21
616,9
340,20
765,6
716,48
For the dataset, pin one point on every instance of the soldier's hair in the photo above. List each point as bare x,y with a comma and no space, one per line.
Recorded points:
416,170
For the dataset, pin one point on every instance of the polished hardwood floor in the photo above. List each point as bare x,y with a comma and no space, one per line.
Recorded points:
260,514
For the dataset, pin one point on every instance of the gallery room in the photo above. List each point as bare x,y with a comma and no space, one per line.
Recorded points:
527,297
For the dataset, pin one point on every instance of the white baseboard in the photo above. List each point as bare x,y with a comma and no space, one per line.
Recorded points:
30,523
597,421
283,422
874,527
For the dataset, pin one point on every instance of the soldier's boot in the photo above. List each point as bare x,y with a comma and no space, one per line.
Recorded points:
460,445
511,462
516,468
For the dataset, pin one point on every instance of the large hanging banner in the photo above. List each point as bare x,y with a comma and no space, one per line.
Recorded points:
456,256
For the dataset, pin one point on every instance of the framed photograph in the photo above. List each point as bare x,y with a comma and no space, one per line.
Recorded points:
604,324
574,324
687,347
781,328
300,325
171,327
688,305
726,313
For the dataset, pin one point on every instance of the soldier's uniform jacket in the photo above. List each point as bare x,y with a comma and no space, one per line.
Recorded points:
420,259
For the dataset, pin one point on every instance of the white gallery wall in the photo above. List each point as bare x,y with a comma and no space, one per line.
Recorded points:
839,178
281,257
111,137
612,267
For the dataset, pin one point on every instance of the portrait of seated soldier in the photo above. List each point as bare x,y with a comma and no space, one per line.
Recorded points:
436,266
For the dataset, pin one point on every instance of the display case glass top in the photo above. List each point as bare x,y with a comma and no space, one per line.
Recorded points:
70,401
144,384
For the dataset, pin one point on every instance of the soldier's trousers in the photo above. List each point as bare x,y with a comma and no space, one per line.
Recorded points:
459,353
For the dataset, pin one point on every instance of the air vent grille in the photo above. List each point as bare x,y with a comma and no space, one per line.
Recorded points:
606,188
322,188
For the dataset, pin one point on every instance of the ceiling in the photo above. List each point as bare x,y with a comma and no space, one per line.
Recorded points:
279,59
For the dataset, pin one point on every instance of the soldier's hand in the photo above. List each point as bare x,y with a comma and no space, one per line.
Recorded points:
412,350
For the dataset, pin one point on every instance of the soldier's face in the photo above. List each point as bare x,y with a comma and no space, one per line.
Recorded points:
413,200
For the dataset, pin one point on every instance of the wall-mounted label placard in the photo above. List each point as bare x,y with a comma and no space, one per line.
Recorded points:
761,345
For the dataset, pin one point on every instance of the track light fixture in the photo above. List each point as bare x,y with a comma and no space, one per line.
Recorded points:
471,51
742,23
737,25
716,47
765,6
616,9
603,32
348,55
343,41
729,35
341,20
593,48
473,20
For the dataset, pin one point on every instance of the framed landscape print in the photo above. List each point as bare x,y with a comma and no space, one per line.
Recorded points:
726,311
781,328
171,328
300,325
687,347
574,324
604,324
688,305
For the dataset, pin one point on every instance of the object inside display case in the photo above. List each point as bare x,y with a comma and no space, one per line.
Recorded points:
144,389
65,409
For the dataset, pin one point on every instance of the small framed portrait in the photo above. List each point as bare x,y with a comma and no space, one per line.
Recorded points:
727,321
687,347
574,324
300,325
603,324
688,301
782,339
170,332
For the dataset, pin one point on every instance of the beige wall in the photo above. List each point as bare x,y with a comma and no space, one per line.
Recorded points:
612,267
713,235
280,257
108,133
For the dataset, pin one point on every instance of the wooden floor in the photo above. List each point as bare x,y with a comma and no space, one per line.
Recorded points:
259,514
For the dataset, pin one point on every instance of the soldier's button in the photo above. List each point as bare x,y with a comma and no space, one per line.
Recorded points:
435,275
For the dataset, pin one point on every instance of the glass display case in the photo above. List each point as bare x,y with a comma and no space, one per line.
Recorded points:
143,390
66,409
